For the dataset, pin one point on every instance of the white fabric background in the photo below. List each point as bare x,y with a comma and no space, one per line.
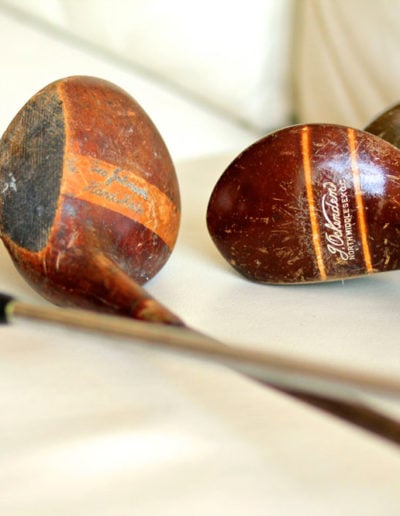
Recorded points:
233,56
346,65
259,63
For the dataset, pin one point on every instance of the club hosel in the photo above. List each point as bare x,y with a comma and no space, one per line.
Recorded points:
118,293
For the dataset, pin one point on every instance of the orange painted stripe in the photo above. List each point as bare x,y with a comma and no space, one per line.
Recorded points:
307,167
362,224
121,191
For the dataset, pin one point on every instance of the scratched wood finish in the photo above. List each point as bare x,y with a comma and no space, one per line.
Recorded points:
309,203
89,196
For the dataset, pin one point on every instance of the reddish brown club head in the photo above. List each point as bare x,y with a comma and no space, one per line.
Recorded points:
309,203
89,204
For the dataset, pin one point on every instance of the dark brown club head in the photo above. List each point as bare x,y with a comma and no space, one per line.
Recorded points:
89,199
309,203
387,125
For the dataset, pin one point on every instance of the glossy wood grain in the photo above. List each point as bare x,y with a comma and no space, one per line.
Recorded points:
309,203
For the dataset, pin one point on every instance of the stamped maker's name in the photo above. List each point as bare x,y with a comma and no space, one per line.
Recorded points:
338,228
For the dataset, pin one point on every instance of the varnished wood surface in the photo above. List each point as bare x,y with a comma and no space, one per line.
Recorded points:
309,203
102,216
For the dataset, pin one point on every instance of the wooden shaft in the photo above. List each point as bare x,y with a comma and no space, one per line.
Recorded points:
348,410
281,371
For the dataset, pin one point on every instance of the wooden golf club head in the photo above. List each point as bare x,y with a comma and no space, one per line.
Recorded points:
309,203
387,125
89,199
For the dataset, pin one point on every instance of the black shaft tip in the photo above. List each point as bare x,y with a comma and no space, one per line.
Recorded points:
4,302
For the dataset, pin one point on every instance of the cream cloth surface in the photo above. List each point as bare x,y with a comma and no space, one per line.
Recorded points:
232,56
346,67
